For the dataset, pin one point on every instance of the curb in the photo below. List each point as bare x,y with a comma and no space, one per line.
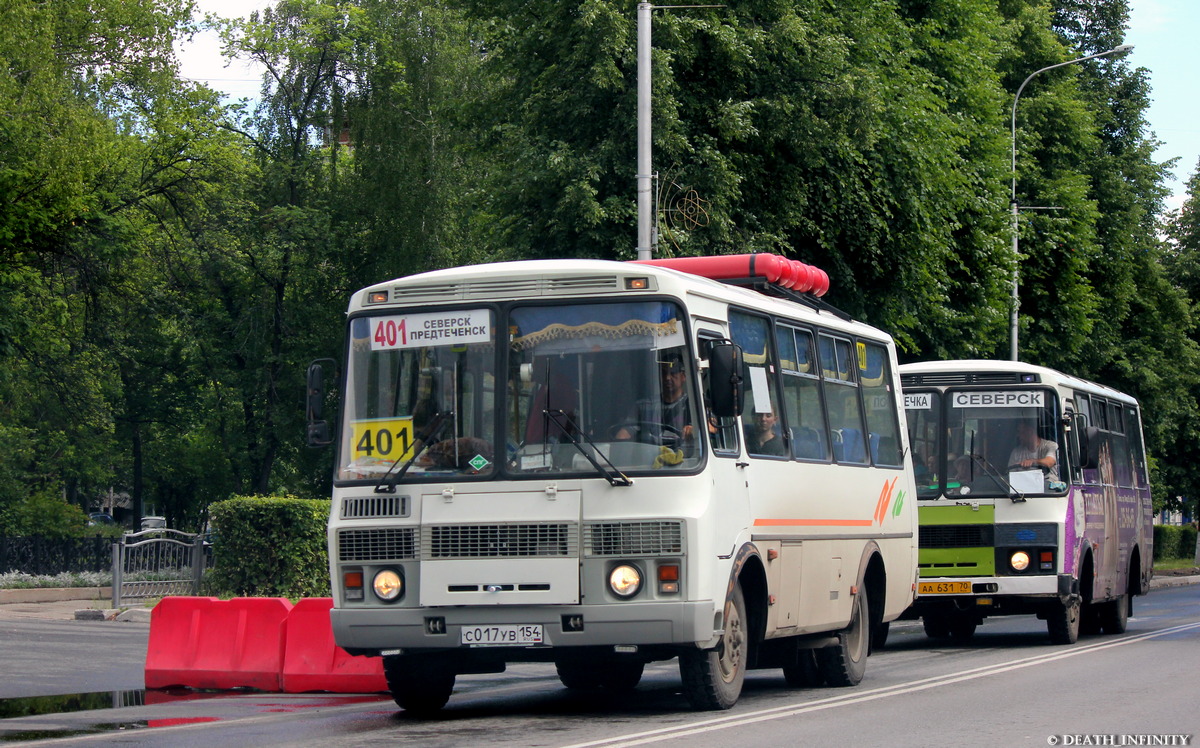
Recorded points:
1160,582
54,594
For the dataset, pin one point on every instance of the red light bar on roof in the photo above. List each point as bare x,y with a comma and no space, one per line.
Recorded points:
791,274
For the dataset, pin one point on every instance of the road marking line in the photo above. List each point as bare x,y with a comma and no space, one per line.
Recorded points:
721,723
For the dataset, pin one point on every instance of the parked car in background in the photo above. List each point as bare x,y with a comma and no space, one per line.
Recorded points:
154,523
100,518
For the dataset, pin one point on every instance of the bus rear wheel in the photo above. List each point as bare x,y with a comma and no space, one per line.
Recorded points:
1114,615
419,686
712,678
845,663
803,671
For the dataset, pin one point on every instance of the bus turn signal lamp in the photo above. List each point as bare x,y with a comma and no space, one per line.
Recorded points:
352,583
668,578
1046,561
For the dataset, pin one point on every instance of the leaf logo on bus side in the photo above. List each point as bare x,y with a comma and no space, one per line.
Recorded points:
886,496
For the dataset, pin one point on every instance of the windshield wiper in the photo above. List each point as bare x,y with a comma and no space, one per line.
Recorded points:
610,473
387,484
993,473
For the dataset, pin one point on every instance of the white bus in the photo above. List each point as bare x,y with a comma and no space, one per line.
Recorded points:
1034,498
604,464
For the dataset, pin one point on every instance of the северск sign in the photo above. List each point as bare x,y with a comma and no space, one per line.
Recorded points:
1000,399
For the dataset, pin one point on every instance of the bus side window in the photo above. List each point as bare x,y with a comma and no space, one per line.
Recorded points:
842,397
803,410
1133,431
880,404
760,418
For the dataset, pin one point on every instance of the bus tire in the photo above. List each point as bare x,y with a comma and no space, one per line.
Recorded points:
419,686
1114,615
803,672
880,636
579,673
576,674
713,678
1062,622
936,626
622,676
1090,619
845,663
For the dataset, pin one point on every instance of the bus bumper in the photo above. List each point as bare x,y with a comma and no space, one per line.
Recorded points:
995,595
371,630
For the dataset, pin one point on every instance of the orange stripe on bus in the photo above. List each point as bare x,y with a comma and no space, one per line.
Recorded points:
815,522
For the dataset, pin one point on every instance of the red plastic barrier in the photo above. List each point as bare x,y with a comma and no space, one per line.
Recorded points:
312,662
203,642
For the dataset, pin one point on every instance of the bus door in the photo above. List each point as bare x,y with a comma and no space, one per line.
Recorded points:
729,481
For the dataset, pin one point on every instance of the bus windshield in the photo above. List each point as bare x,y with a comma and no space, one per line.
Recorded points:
607,384
994,443
420,387
613,382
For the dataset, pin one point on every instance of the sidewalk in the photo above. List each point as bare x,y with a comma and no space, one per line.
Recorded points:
58,604
86,607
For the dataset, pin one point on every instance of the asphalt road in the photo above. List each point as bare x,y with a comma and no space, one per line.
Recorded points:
1006,686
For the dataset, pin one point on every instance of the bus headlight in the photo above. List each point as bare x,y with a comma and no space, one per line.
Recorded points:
625,580
1019,561
388,585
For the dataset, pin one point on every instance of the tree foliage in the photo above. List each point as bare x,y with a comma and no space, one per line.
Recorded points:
171,261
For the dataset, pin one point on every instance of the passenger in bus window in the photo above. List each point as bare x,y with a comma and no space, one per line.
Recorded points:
763,438
960,470
1032,451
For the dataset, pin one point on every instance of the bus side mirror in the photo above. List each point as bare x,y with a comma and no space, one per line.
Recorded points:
1090,453
725,379
314,405
1084,443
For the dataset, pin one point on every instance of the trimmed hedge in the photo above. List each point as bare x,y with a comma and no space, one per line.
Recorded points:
1174,541
270,546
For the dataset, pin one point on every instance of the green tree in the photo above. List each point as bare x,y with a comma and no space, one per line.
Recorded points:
1180,425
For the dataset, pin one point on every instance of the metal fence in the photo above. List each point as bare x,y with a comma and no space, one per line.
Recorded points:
48,556
156,563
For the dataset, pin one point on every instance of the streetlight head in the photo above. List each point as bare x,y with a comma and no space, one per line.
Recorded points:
1122,49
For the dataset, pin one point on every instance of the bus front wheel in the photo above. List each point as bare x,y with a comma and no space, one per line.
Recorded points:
712,678
418,685
1062,621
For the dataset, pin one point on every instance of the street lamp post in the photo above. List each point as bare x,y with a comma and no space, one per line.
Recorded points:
1016,274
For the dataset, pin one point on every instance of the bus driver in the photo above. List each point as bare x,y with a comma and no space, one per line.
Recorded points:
672,416
1032,451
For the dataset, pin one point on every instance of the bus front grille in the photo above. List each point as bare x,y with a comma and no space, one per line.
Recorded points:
655,538
367,507
384,544
501,541
956,536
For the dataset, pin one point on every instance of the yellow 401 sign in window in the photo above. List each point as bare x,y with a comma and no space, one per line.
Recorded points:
380,439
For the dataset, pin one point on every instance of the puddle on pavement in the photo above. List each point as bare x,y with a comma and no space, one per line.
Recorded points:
34,706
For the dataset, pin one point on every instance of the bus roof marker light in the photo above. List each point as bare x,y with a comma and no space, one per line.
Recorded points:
377,297
755,266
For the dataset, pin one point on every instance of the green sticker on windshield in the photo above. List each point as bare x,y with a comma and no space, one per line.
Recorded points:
479,462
